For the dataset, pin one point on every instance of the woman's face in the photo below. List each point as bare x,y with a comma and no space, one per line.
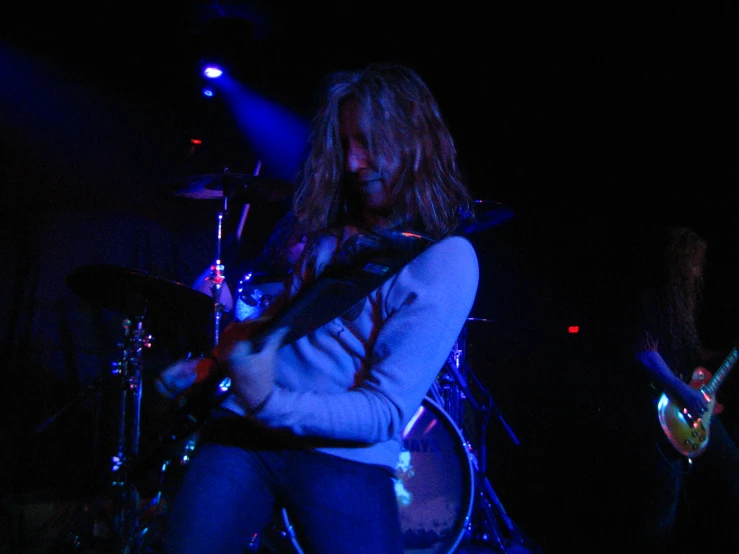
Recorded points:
371,179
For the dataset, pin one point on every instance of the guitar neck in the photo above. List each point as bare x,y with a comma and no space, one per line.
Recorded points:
722,372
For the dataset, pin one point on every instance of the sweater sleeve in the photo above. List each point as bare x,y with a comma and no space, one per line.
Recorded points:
425,306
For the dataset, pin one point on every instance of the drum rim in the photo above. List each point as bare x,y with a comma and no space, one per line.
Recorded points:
470,496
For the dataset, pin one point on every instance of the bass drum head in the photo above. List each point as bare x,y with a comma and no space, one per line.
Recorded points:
434,482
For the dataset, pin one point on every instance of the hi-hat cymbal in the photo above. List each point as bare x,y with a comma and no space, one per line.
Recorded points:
486,214
249,189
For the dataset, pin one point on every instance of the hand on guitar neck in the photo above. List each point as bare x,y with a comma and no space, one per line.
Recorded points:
181,375
238,341
251,365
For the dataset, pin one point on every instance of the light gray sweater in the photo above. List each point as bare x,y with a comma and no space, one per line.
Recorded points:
360,380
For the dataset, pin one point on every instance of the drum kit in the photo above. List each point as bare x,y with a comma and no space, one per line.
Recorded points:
444,497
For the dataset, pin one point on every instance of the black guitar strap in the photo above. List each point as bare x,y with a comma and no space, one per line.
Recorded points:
370,260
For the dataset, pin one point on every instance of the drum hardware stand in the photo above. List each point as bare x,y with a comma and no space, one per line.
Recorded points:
128,371
453,392
120,520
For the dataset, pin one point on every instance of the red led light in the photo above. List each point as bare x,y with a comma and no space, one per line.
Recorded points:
196,141
573,329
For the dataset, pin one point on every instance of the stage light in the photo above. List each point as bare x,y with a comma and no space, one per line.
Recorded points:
212,71
208,92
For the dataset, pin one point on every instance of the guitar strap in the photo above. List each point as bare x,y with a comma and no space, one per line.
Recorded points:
370,260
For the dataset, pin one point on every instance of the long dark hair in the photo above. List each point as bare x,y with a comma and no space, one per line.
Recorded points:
403,117
684,283
675,269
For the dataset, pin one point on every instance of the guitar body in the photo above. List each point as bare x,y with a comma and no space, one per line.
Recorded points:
687,434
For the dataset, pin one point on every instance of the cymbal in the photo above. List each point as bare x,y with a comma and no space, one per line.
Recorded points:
486,214
239,187
134,292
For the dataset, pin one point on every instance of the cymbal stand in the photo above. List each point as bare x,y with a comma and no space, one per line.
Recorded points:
217,269
454,392
217,278
127,370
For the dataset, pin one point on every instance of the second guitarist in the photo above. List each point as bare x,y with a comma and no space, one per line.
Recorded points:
661,479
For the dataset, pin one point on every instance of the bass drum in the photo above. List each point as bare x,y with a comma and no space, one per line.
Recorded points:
434,484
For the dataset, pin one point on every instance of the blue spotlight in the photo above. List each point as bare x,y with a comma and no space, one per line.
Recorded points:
212,71
208,92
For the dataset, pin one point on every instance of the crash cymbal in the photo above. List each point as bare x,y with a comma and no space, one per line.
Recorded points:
239,187
486,214
257,190
134,292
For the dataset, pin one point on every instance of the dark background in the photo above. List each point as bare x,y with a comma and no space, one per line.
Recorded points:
589,121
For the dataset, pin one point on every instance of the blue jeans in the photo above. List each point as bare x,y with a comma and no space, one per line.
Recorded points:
230,495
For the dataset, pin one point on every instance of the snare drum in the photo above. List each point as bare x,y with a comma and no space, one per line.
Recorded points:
434,484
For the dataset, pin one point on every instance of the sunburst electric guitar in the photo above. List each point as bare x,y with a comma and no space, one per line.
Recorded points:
687,433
